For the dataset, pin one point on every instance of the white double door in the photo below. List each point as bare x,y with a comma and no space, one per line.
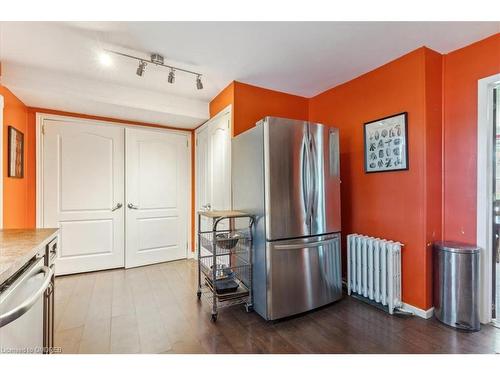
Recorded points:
120,195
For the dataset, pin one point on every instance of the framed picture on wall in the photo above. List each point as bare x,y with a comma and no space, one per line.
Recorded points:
386,144
16,153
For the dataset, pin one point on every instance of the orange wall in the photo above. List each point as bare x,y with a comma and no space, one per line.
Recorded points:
433,160
222,100
391,204
252,103
15,195
462,69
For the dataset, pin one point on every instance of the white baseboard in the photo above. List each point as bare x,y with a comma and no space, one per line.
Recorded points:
426,314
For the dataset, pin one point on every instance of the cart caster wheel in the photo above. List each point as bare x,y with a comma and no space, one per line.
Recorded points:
198,294
214,318
248,308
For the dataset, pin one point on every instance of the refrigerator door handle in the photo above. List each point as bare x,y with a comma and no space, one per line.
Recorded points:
305,245
304,174
310,172
306,178
313,169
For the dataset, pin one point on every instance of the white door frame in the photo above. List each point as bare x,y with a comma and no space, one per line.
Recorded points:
223,112
485,163
1,159
41,117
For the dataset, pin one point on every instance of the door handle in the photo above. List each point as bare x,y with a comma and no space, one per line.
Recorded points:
305,245
24,307
132,206
313,164
117,207
308,179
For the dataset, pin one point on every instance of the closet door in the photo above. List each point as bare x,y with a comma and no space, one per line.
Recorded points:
83,174
213,165
157,195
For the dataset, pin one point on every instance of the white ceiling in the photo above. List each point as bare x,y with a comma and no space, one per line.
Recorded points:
56,65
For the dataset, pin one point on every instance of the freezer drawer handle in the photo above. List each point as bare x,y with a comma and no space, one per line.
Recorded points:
24,307
305,245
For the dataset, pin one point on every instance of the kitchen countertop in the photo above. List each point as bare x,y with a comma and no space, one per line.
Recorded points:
18,246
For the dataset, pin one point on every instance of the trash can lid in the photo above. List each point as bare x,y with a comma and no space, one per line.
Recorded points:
456,247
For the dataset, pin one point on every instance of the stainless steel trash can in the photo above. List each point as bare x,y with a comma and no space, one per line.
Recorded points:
456,285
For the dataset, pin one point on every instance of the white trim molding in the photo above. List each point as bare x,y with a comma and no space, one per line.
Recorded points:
1,159
485,163
426,314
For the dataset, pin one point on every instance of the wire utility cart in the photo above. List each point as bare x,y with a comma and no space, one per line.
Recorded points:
225,259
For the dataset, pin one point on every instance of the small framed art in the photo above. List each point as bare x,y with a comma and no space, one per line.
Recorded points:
386,144
16,153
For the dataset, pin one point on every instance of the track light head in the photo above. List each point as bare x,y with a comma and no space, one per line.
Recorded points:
156,58
141,68
171,76
199,85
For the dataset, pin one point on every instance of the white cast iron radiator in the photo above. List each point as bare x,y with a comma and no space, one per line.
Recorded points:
374,269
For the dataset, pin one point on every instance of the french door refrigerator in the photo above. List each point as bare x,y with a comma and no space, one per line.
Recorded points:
287,173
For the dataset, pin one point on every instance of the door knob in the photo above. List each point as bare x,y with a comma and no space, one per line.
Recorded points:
132,206
117,207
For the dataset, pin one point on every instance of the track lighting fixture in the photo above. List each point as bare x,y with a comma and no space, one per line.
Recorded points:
158,60
171,76
199,85
141,68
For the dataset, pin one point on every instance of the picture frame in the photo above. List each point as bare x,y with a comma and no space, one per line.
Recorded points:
386,144
15,152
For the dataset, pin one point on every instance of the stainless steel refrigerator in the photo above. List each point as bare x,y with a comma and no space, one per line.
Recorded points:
287,174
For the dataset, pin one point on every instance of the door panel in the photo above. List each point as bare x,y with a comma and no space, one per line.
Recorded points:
325,191
157,194
76,172
152,230
157,169
86,237
287,178
303,274
83,181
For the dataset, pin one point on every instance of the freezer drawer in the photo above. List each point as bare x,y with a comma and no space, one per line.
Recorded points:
303,274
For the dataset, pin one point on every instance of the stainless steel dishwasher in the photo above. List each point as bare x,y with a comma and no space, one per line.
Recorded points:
22,300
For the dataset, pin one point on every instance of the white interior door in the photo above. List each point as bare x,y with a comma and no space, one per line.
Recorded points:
83,174
213,161
157,195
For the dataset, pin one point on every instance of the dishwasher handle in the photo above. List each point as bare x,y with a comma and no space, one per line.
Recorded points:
24,307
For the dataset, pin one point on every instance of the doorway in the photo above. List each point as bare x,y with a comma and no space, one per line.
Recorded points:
496,207
119,194
488,195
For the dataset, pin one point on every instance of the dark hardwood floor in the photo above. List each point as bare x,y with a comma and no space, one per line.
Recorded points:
154,309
